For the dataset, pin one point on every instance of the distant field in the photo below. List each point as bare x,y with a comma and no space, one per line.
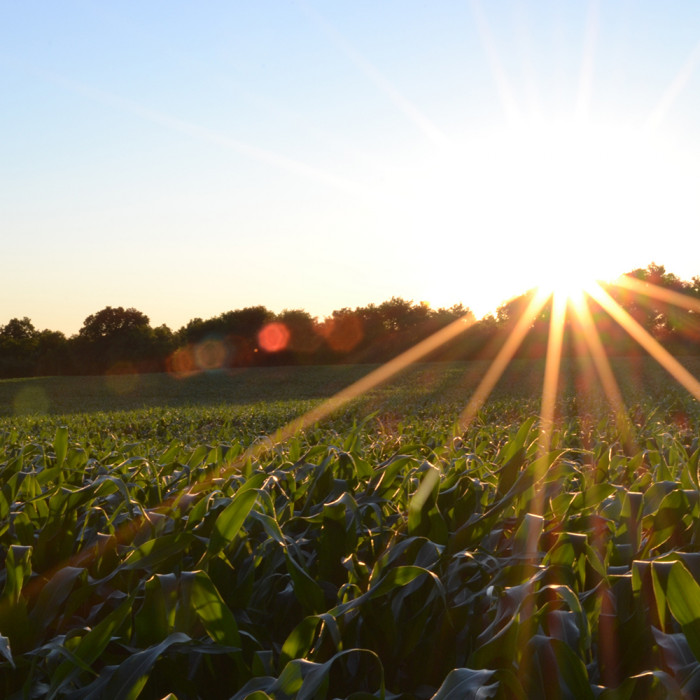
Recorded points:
444,382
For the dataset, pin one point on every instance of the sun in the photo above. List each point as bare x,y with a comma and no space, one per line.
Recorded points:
567,280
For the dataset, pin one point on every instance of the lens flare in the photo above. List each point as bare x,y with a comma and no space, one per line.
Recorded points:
31,400
210,354
181,363
274,337
122,378
342,333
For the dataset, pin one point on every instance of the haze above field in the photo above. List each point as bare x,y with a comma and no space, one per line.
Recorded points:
186,160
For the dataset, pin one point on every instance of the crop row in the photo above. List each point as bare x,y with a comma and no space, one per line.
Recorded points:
146,554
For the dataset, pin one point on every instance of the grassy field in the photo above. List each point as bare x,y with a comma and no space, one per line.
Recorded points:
439,382
155,541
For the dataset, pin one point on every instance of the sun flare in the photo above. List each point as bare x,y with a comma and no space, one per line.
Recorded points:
553,203
567,282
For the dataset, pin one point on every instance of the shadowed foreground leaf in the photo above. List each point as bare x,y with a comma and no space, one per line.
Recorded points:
306,680
472,684
90,647
656,685
126,681
5,650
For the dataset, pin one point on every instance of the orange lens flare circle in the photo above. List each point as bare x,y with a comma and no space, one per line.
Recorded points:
181,363
274,337
342,334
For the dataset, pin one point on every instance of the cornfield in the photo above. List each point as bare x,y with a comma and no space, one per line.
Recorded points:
178,552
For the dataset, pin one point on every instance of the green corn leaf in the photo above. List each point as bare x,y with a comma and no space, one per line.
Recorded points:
231,519
499,650
5,650
307,590
396,578
656,685
517,442
660,572
527,536
152,554
18,568
683,596
132,674
508,473
199,595
54,594
572,671
471,684
306,680
90,647
60,445
155,618
423,499
300,639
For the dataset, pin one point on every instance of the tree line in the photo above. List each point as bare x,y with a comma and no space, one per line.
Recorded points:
118,340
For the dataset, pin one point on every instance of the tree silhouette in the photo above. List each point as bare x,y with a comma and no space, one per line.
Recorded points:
119,339
114,339
110,323
18,329
18,345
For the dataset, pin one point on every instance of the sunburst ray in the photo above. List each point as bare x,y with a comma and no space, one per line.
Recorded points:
648,342
591,338
506,93
500,362
549,397
551,371
408,108
649,289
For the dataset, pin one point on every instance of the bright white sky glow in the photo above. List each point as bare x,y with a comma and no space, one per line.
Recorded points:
189,159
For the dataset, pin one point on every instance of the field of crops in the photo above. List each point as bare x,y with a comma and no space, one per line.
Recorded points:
176,549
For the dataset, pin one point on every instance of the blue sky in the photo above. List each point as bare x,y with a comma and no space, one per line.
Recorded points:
187,159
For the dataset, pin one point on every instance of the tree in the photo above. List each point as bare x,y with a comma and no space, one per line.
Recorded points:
398,314
675,327
514,308
238,330
110,323
162,345
18,329
694,287
343,331
245,323
304,337
52,353
115,338
18,347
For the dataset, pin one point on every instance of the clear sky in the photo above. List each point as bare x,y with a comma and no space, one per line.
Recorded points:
190,158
